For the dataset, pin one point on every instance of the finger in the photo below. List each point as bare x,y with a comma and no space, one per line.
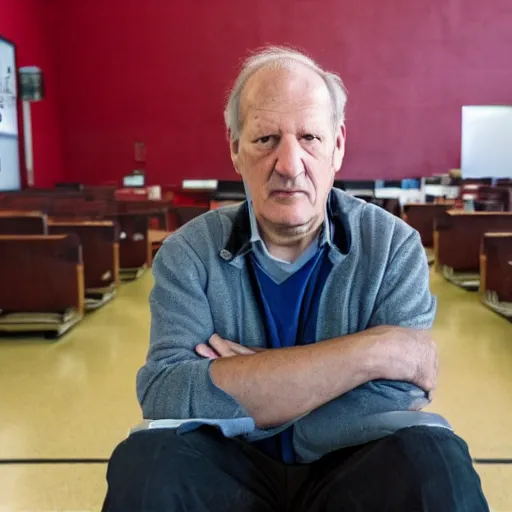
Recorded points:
229,348
222,347
205,351
240,349
214,338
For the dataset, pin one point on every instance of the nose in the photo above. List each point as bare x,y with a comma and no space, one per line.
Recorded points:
289,158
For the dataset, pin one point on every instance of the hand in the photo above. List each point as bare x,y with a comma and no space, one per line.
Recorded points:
406,354
219,347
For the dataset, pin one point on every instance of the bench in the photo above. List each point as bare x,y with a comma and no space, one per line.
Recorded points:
100,252
23,223
42,280
457,241
496,272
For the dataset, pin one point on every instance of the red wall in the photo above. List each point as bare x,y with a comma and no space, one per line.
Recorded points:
27,23
158,70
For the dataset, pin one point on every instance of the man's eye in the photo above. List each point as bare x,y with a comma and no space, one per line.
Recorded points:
309,137
264,140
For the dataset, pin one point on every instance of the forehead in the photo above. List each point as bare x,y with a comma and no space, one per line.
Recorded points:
292,93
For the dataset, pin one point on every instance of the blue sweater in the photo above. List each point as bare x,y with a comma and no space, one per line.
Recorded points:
291,310
203,285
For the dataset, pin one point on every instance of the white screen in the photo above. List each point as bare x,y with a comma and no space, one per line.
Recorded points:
133,180
199,184
9,147
486,142
9,163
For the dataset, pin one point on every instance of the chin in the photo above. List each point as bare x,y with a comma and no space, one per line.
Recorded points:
292,219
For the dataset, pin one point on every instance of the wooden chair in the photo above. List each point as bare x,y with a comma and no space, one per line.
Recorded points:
24,202
42,280
457,240
156,239
496,272
135,250
66,208
421,217
492,199
100,251
23,223
186,213
157,212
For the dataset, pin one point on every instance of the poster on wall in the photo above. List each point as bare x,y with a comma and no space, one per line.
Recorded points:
9,143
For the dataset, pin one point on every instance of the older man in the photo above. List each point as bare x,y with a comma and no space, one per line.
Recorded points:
290,355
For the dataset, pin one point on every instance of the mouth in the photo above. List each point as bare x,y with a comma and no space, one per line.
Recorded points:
286,193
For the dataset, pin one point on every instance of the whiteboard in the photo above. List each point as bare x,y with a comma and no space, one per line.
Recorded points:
486,141
9,146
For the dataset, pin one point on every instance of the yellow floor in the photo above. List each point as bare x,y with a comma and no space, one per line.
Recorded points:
75,397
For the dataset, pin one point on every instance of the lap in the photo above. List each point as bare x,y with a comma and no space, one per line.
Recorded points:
418,468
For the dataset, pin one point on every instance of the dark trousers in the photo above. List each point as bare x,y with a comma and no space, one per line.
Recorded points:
416,469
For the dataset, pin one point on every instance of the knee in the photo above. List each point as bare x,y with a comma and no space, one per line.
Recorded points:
147,468
419,439
439,468
159,447
432,450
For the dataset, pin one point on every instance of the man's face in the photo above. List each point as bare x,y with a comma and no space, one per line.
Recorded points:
289,150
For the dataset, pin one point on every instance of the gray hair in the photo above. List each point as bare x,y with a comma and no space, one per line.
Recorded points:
276,56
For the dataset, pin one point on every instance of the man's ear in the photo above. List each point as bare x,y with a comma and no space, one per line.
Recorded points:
339,147
234,146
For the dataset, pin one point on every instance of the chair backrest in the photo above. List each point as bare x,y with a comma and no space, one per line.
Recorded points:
229,191
41,273
421,216
134,245
458,236
497,254
23,223
100,249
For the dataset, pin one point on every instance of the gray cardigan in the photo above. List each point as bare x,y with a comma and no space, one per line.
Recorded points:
203,286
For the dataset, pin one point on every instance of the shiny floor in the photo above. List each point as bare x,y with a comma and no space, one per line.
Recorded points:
75,398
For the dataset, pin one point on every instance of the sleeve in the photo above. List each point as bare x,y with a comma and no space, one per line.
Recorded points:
404,297
175,382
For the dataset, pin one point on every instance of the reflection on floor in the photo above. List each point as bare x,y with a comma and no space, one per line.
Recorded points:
75,398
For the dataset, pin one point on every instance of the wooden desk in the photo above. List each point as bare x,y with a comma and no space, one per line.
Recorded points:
156,238
496,272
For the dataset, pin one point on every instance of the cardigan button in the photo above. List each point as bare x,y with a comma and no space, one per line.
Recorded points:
226,255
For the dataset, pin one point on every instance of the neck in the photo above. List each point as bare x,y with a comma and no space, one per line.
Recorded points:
288,243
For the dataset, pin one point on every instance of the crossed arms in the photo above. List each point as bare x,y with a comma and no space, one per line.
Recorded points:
277,386
184,378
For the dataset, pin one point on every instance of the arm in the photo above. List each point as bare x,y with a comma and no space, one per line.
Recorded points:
278,386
